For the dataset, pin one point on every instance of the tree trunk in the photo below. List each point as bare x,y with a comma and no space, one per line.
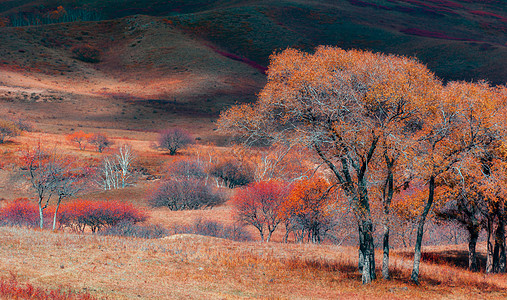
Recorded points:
56,212
41,216
472,242
489,255
420,231
499,253
387,198
385,246
367,252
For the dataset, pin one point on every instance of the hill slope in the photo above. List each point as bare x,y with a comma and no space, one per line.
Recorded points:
458,39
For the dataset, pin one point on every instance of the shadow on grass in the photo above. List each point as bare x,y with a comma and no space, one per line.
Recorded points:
454,258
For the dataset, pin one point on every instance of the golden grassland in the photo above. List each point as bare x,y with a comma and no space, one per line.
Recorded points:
198,267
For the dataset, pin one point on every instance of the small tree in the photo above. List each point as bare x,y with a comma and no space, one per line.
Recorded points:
79,137
259,205
42,177
100,141
52,176
8,129
174,139
116,171
69,180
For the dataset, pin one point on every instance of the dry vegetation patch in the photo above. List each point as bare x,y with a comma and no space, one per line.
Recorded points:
191,266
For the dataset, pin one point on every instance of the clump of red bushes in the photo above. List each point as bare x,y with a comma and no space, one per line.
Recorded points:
20,212
75,215
79,214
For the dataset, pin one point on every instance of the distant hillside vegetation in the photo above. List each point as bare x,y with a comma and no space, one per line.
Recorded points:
458,39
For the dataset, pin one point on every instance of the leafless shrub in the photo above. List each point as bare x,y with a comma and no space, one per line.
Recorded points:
187,168
185,194
211,228
130,229
232,173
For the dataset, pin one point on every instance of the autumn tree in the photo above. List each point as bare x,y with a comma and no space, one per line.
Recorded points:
339,104
80,138
466,117
461,191
259,205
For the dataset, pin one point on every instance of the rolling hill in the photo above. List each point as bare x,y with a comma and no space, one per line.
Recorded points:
459,39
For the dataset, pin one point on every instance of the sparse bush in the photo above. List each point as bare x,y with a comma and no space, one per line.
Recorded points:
129,229
86,53
97,215
211,228
23,125
20,212
100,141
185,194
233,173
174,139
8,129
186,168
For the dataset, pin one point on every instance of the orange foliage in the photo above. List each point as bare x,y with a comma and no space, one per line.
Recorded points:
57,13
308,209
79,137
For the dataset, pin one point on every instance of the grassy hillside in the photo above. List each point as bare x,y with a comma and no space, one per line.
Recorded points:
459,39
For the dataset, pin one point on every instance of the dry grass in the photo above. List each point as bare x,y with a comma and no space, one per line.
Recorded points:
196,267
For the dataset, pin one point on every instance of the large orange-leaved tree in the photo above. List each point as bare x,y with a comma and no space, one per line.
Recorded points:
341,105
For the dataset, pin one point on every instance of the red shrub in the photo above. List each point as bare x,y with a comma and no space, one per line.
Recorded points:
11,289
98,214
259,205
19,212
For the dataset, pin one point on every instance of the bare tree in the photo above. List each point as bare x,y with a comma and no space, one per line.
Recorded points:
174,139
51,176
125,157
116,171
69,180
100,141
